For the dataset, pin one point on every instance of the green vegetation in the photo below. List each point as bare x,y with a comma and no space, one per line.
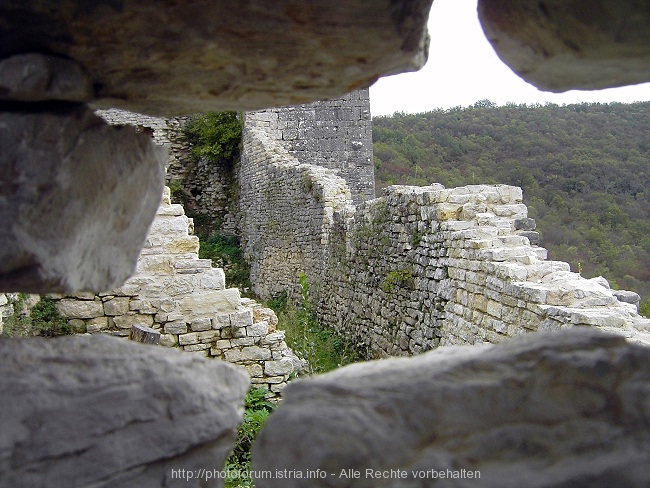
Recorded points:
256,411
215,136
225,252
584,169
42,320
645,308
397,277
321,347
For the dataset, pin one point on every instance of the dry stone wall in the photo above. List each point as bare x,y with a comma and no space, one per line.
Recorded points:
417,268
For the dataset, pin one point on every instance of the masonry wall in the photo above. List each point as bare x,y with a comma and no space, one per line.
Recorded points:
334,134
286,210
417,268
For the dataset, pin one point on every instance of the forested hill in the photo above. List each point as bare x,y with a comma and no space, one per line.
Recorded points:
584,169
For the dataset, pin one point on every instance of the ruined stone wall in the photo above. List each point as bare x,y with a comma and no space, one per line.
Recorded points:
334,134
417,268
427,266
205,190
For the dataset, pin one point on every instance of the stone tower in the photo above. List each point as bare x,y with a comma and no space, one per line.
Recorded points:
335,134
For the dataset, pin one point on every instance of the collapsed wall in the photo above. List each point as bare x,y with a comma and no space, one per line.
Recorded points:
417,268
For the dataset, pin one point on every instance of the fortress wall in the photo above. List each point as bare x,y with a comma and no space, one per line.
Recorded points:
427,266
416,268
286,211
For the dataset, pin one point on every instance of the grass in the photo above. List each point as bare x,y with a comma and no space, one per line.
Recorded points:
322,348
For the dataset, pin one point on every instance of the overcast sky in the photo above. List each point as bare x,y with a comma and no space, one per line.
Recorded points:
463,68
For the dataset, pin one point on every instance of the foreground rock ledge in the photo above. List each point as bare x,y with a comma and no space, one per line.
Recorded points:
170,58
101,411
568,408
77,197
560,45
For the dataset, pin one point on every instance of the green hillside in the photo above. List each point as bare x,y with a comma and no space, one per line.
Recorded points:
584,169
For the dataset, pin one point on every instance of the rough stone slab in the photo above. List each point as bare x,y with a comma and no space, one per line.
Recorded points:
559,46
80,309
565,408
102,411
36,77
198,56
69,186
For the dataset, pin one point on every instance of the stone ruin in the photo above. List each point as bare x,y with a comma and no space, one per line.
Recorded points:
547,409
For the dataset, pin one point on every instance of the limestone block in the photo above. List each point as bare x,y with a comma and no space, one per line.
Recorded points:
67,234
80,309
116,306
207,302
241,318
222,55
559,46
201,324
127,320
36,77
250,353
168,340
101,411
179,327
96,324
220,321
213,279
577,396
258,329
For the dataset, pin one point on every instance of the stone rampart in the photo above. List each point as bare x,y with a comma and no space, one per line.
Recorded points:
416,268
286,214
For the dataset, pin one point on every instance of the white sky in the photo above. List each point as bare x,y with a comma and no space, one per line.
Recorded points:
463,68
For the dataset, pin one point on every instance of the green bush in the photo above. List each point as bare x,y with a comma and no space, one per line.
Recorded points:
215,136
256,411
42,320
47,321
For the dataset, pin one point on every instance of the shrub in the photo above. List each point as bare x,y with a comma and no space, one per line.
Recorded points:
645,308
215,136
43,319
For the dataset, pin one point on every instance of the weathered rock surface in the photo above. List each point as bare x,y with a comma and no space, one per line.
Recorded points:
565,408
187,57
37,77
558,45
101,411
77,196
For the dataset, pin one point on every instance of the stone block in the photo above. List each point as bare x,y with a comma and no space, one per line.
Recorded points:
258,329
250,353
35,77
83,411
278,368
179,327
80,309
220,321
366,415
116,306
63,156
96,324
127,320
198,325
